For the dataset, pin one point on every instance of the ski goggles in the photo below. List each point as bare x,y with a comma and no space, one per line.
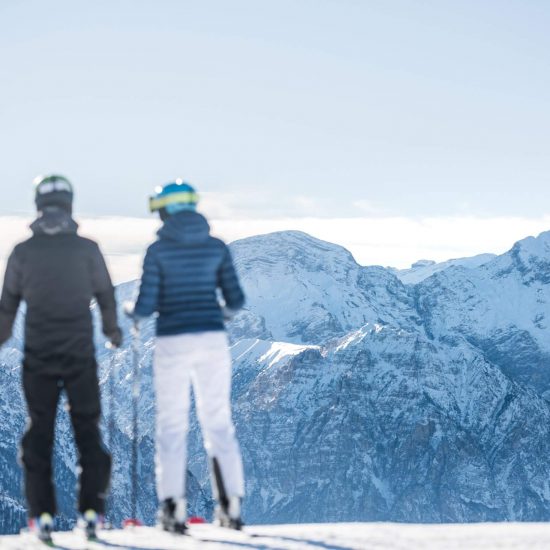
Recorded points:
49,185
184,197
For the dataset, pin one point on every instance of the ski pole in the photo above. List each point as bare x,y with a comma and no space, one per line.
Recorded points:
113,372
136,341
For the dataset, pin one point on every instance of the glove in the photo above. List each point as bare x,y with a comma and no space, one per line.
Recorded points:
228,313
128,307
115,338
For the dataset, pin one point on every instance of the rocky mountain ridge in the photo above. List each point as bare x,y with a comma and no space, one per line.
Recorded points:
356,397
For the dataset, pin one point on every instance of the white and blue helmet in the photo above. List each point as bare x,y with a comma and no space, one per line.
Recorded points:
172,198
53,190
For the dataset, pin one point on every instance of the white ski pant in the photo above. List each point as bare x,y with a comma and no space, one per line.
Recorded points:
203,361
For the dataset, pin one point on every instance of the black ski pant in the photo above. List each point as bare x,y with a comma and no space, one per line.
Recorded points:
43,382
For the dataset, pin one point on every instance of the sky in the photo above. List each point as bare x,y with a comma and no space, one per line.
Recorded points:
344,118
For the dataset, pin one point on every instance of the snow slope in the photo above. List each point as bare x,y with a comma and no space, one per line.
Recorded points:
345,536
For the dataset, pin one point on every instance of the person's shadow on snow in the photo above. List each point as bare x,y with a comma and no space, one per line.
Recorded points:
240,544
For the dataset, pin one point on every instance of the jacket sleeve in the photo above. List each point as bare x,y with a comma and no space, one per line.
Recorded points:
229,284
11,297
104,292
147,301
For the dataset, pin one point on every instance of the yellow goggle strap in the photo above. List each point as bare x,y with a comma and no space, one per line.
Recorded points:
185,197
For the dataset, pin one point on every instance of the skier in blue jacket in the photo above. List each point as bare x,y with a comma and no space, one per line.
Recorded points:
183,272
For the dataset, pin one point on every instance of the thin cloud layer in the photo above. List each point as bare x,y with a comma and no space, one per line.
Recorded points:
388,241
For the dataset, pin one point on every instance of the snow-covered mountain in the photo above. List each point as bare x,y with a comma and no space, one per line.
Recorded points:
356,396
422,269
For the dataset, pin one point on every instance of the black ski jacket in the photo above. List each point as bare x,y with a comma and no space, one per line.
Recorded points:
57,273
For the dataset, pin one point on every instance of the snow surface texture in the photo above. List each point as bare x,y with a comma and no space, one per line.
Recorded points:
356,397
343,536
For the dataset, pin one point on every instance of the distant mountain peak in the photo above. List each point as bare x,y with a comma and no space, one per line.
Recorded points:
423,269
533,246
422,263
296,246
291,238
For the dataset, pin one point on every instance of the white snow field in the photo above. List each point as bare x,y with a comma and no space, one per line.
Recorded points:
342,536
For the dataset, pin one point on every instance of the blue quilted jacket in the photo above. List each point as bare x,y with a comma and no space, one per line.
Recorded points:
182,273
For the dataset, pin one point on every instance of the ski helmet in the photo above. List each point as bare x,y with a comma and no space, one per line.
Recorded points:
53,190
172,198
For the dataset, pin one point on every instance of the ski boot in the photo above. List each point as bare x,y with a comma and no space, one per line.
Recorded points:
91,521
228,510
172,515
42,527
228,514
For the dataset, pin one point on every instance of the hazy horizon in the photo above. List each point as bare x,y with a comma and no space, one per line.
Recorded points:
390,242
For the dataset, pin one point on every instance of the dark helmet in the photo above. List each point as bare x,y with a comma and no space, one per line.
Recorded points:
172,198
53,190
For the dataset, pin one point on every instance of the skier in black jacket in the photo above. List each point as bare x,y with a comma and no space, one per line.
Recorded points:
57,274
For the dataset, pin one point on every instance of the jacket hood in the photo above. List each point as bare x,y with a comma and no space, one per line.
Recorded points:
186,227
54,221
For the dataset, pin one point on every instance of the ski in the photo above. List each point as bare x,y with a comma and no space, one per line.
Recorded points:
42,527
32,540
212,533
